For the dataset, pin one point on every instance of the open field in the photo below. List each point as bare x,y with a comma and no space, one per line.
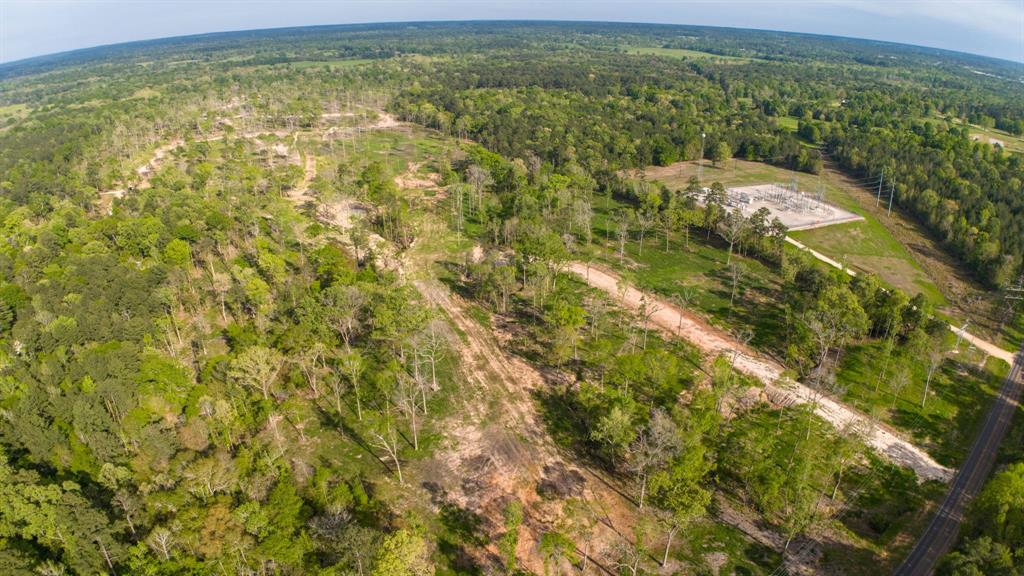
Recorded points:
962,296
996,136
12,113
683,53
865,245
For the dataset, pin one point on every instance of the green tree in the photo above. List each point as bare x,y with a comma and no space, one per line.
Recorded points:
257,367
721,152
403,553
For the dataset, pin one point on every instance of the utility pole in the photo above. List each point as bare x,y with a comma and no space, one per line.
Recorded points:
892,192
878,198
700,165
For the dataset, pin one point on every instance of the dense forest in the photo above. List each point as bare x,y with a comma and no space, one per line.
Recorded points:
310,301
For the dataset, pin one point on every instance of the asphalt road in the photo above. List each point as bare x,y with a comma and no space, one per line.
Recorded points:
941,534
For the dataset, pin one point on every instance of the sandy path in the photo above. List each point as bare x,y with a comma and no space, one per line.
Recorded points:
301,192
984,345
785,391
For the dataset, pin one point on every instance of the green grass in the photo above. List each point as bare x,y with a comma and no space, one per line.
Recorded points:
866,246
883,505
13,110
705,538
960,394
702,266
396,148
11,113
986,135
788,123
683,53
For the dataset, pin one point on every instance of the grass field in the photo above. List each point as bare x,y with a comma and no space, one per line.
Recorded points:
13,112
788,123
339,63
987,135
959,396
683,53
863,246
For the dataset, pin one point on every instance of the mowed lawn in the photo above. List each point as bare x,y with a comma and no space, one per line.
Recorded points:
865,246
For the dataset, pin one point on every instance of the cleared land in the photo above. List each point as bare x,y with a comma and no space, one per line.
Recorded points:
798,210
865,245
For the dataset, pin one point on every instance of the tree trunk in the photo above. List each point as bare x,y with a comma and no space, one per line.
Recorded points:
359,404
927,384
835,489
668,546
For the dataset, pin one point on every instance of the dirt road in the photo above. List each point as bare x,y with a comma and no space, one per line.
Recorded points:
784,391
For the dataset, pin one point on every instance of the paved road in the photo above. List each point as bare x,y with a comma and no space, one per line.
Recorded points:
941,534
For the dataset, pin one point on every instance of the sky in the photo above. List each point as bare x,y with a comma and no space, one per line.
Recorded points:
988,27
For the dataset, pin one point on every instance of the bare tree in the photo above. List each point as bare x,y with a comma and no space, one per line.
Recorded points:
735,274
682,299
161,540
645,218
848,449
647,310
352,365
344,307
653,448
385,437
582,217
479,178
900,380
457,193
307,360
622,230
732,230
429,344
626,556
936,354
406,396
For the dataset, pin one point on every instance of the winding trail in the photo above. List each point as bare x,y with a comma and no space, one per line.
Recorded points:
779,389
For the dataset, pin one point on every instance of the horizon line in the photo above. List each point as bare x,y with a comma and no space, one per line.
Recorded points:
141,41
